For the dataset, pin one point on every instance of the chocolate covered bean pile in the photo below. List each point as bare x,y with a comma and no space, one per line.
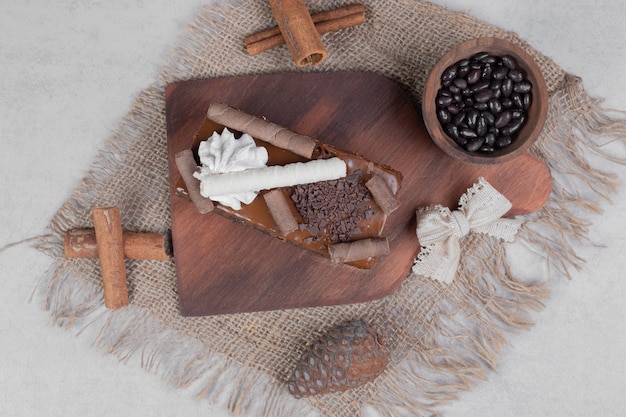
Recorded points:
483,101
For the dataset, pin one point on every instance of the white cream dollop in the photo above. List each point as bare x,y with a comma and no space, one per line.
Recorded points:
223,153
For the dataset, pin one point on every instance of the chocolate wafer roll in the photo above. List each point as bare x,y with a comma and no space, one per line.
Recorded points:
261,129
358,250
280,211
186,165
382,194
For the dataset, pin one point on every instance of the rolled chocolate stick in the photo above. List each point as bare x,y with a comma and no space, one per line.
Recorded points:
261,129
280,211
382,194
186,167
358,250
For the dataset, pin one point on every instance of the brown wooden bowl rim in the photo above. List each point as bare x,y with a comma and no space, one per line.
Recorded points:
536,116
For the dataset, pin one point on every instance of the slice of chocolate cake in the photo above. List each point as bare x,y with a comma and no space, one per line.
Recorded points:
316,215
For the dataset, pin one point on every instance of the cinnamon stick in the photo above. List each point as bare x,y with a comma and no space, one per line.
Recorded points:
186,165
328,21
261,129
81,243
382,194
358,250
110,241
298,30
280,211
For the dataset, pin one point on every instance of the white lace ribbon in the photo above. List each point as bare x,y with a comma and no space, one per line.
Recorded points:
439,229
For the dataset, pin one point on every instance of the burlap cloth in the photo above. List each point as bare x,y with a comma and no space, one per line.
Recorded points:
444,338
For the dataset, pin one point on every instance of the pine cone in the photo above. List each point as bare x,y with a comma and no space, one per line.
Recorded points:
347,356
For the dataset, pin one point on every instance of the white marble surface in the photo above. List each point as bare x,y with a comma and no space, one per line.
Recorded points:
69,71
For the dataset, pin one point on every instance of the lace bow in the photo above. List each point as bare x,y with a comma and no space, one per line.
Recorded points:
439,229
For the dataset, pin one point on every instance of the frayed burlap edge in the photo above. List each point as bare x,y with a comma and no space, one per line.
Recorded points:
439,348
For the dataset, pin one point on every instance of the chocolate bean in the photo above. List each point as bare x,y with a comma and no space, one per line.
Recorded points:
508,62
507,87
452,131
475,65
444,116
513,126
453,109
522,87
489,60
489,117
490,139
468,133
472,117
500,73
460,82
481,126
459,118
503,141
474,144
526,101
449,75
516,75
474,76
503,119
483,96
517,100
506,102
495,106
444,101
479,56
517,114
463,70
480,85
481,106
486,72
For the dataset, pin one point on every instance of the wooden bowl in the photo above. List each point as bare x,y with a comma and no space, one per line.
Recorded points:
535,117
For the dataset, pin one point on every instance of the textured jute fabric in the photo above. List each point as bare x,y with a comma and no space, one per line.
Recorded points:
443,337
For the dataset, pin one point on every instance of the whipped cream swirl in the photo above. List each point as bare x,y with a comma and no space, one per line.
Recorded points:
223,153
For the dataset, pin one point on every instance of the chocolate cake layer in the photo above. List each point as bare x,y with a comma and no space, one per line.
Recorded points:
327,212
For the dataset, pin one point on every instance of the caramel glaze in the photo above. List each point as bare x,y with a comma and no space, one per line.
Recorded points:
257,215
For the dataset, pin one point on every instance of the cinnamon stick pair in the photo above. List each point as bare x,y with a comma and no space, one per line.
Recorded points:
81,243
108,242
301,31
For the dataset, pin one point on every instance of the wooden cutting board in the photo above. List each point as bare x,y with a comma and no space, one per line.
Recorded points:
226,267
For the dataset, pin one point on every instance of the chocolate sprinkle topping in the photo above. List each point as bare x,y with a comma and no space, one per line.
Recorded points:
333,209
